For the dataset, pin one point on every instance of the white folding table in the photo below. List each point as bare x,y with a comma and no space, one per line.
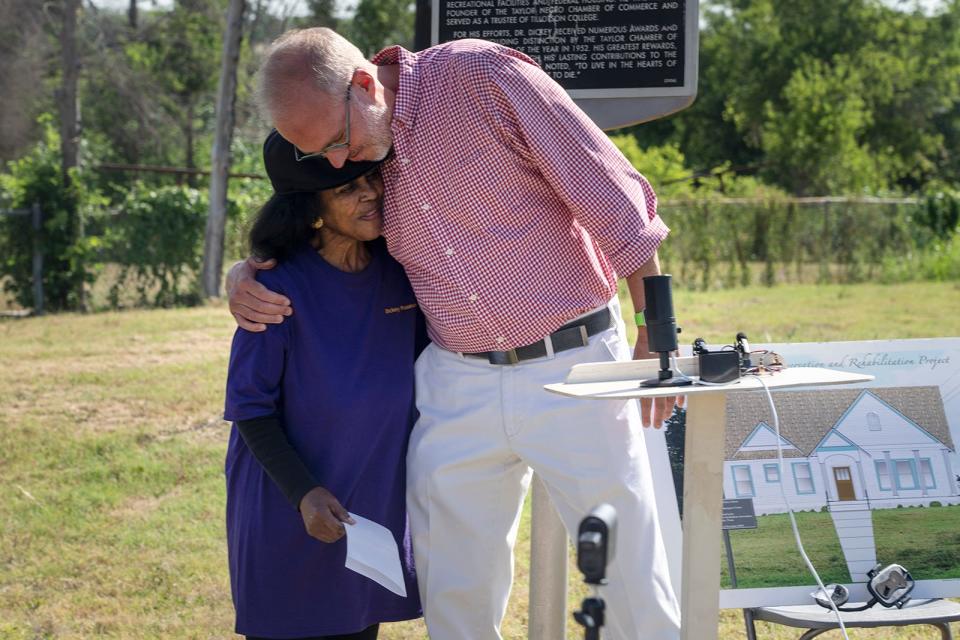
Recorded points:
703,462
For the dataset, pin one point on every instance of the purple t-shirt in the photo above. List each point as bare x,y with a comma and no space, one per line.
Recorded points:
339,374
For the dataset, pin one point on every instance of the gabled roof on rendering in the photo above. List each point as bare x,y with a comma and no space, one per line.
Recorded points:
807,416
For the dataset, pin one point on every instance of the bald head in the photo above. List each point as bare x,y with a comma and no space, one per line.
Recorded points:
303,64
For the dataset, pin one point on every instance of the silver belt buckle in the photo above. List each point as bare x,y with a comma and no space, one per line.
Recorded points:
512,356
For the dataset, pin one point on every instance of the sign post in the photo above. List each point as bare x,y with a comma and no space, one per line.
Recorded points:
738,513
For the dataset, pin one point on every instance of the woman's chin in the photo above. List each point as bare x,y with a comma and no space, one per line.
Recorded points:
373,229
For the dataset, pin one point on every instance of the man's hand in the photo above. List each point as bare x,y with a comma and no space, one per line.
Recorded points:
323,515
653,411
251,303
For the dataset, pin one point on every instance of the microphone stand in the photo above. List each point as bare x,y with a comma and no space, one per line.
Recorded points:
590,616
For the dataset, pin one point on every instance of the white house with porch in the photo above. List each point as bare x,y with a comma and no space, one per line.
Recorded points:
856,449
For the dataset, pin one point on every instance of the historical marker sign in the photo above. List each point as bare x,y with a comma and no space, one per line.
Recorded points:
598,51
738,514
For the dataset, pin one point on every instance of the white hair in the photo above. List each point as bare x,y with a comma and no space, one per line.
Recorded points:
317,58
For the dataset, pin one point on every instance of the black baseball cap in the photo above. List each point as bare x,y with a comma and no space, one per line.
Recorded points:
310,174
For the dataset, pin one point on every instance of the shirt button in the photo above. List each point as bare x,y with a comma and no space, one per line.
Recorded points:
404,160
501,339
473,297
448,252
425,206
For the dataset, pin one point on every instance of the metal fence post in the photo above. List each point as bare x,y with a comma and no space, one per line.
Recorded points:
548,568
37,215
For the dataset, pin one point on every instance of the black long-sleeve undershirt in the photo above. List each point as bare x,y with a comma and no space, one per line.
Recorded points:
268,442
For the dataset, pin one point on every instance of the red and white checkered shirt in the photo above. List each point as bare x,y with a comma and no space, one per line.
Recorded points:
511,212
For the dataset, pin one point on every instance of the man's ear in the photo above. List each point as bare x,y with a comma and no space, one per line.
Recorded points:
365,82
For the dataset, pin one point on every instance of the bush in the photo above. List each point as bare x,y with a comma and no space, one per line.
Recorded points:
941,213
770,239
152,234
716,244
157,238
36,178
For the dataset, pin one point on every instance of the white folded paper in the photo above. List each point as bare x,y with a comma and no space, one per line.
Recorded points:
372,552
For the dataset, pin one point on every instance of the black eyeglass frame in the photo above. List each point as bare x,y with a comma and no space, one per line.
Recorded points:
299,156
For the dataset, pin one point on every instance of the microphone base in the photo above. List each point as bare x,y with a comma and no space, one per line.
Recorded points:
669,382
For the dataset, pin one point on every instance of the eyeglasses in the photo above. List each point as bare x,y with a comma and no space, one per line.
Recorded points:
300,156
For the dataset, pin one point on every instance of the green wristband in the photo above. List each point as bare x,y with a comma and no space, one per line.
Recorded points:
641,321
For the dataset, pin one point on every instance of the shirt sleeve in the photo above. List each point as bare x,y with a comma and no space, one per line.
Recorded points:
255,373
606,195
268,442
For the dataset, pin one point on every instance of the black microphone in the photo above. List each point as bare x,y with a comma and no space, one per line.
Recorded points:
658,313
661,327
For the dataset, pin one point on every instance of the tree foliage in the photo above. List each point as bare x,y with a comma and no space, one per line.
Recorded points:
322,13
36,179
182,53
157,237
794,98
378,23
823,96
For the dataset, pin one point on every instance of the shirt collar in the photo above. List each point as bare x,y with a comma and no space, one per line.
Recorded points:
408,94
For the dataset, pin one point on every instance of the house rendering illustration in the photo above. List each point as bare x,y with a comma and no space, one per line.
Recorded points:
844,449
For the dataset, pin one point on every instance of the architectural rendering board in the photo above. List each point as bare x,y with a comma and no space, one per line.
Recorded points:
872,471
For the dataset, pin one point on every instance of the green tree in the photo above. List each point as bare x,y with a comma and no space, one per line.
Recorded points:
182,52
379,23
322,13
807,92
814,139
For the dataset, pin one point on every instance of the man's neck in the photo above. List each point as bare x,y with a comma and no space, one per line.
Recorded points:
389,76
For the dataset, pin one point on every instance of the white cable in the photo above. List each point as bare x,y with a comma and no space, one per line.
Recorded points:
793,520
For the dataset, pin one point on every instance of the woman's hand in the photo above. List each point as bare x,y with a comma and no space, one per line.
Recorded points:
323,515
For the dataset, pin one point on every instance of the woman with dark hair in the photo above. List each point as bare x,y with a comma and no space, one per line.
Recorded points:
322,407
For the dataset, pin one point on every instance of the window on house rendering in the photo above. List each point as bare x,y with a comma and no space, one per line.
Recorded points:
742,481
883,476
873,421
906,474
771,473
926,474
803,477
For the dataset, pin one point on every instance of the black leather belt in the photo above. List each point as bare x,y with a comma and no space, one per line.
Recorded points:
569,336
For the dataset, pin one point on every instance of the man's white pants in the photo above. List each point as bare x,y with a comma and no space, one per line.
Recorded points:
482,428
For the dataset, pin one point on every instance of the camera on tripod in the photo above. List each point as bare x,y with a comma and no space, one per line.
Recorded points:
596,541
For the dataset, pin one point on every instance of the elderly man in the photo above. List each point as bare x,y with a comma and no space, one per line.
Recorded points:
513,215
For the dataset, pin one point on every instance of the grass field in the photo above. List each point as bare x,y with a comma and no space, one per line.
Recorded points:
927,540
111,452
